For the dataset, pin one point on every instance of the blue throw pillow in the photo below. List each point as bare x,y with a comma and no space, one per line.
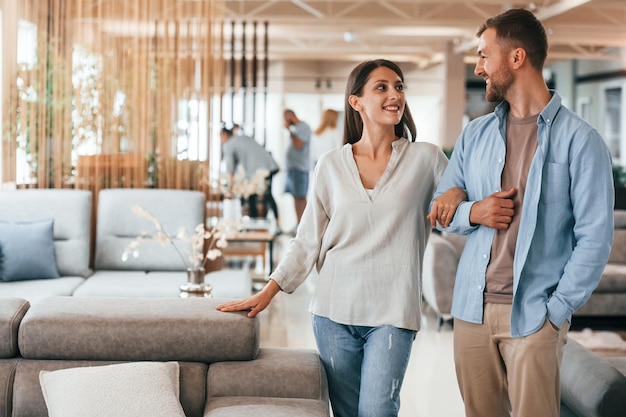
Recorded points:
27,251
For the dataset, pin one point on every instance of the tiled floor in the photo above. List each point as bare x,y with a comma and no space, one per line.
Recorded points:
429,388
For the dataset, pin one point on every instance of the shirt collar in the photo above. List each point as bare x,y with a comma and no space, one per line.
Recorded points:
547,115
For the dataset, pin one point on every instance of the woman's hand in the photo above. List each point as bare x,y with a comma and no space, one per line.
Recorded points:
255,303
444,207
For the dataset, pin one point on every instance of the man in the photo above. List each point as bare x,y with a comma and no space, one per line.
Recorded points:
240,150
539,220
297,161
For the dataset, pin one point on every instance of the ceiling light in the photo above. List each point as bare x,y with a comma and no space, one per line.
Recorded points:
348,36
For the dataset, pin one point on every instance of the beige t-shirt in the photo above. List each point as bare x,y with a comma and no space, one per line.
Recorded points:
521,144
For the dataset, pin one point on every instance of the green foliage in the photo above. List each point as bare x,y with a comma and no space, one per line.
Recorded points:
619,176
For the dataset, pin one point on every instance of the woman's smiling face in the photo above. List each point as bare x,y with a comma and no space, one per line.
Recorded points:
382,100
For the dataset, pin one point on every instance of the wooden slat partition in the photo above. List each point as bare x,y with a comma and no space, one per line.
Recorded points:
112,119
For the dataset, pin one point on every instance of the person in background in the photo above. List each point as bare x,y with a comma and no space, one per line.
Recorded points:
244,151
297,160
539,220
364,230
326,136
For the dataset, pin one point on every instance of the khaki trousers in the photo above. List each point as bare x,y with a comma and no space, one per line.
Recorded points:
499,375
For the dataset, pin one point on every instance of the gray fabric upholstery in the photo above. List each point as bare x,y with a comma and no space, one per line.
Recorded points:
288,373
441,258
225,284
609,298
28,399
7,375
117,226
67,332
38,289
618,362
590,386
136,329
71,211
264,407
12,311
279,382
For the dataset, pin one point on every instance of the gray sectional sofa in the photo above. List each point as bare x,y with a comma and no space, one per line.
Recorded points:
215,366
157,272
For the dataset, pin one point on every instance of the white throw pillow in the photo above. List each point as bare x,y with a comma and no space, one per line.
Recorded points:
135,389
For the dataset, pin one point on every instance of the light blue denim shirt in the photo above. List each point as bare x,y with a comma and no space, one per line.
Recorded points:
566,225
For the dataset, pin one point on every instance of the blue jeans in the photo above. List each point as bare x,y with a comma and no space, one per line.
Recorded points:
365,366
297,182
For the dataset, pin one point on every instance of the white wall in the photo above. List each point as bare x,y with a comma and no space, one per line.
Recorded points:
310,88
591,92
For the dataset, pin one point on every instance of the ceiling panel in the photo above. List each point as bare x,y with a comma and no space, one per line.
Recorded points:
419,30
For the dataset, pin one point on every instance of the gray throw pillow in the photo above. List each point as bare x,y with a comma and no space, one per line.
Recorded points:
27,250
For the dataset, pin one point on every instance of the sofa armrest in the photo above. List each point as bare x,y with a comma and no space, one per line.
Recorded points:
276,372
12,311
590,386
441,258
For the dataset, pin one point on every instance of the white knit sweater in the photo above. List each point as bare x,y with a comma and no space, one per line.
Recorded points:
368,250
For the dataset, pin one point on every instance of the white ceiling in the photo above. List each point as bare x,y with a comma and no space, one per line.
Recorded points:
419,30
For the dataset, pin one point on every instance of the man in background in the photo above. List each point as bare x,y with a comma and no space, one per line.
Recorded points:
240,150
297,161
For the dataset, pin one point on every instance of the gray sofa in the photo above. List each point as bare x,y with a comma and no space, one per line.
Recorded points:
157,272
609,298
222,370
442,256
592,386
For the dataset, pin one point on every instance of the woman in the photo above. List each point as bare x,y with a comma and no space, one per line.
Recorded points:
326,136
364,230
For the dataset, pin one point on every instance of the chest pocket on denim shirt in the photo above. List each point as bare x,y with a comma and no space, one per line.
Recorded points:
556,183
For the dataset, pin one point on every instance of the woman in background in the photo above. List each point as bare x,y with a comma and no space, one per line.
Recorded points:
326,136
365,230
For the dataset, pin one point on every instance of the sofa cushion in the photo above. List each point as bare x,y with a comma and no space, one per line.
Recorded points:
12,311
71,211
276,372
618,249
613,279
137,328
235,283
139,389
27,250
264,406
35,290
118,226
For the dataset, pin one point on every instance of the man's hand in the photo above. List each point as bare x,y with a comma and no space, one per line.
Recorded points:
444,207
495,211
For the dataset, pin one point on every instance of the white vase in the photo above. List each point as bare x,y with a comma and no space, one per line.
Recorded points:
231,209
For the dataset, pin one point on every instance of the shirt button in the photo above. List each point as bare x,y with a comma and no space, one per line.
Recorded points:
500,160
480,287
484,256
